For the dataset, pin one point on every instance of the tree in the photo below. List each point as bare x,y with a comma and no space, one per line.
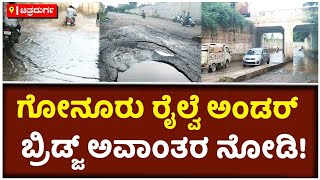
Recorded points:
300,36
272,36
110,8
133,5
122,8
312,13
220,15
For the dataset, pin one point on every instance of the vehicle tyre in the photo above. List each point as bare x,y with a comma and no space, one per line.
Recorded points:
226,64
213,68
244,65
260,63
268,61
192,25
7,46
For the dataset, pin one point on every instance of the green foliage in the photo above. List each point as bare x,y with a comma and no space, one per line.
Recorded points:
312,13
133,5
300,36
103,16
220,15
311,4
102,13
124,7
110,8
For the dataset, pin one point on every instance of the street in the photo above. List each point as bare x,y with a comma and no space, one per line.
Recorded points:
236,66
49,51
169,51
300,70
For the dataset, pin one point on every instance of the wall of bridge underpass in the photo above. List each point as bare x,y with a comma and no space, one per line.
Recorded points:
239,41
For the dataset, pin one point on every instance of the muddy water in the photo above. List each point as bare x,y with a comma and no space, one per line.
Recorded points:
50,51
123,49
152,71
301,70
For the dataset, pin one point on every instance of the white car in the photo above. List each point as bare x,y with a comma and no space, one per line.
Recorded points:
256,56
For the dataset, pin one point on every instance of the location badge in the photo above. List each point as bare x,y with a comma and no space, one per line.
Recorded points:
11,9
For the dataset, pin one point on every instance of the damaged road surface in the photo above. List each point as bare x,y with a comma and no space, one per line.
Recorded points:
48,51
135,50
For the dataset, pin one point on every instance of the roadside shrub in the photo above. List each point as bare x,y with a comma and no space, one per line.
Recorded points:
220,15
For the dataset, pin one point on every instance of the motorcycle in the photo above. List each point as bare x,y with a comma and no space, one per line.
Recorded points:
178,19
143,15
190,22
10,36
70,21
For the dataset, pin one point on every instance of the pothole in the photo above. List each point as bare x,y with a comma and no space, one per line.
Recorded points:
152,71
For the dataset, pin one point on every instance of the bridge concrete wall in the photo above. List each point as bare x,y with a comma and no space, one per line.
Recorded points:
311,45
86,8
288,19
239,41
167,10
297,15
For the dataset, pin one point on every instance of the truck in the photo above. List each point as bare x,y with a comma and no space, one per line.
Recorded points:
214,55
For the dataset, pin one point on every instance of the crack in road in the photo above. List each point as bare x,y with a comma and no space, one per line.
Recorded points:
158,45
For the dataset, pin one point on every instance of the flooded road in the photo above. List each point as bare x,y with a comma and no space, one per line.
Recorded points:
50,51
301,70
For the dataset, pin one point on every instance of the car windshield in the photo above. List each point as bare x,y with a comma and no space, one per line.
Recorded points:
254,52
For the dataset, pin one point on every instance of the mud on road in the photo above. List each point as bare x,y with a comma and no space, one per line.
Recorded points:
127,40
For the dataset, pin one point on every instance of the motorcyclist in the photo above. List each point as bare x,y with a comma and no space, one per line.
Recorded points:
183,16
14,23
143,14
71,13
277,49
187,18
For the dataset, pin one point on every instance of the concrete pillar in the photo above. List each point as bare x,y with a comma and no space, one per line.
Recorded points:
257,38
314,41
254,44
288,42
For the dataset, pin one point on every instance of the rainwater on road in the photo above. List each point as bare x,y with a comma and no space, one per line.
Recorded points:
51,51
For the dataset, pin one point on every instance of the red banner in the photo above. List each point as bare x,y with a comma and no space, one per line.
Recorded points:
24,11
159,131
